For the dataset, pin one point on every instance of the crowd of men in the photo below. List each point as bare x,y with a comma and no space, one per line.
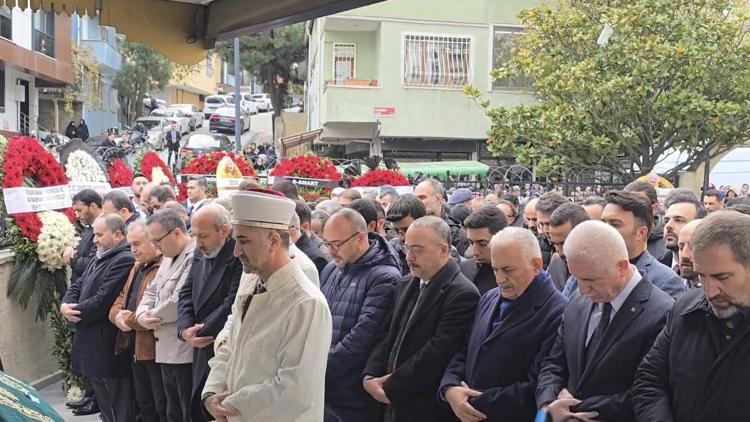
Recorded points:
409,307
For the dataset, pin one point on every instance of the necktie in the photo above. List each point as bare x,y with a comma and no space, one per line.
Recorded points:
596,338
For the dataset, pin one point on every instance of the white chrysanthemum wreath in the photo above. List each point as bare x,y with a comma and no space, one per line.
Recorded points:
82,167
56,235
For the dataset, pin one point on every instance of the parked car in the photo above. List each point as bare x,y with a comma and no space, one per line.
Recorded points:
252,105
174,115
201,143
195,115
214,102
223,120
155,128
264,102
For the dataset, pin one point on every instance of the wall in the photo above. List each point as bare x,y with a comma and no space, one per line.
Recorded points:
25,345
366,55
9,120
477,11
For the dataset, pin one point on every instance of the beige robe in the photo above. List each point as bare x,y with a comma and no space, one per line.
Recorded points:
160,298
274,361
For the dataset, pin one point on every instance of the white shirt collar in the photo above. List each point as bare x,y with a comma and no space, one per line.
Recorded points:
624,293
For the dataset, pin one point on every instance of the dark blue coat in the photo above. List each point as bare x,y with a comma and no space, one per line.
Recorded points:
360,296
504,364
95,291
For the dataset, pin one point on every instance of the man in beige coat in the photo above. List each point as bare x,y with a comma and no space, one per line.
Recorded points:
158,309
272,367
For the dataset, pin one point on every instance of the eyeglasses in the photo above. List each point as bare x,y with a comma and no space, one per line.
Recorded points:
158,241
416,250
337,244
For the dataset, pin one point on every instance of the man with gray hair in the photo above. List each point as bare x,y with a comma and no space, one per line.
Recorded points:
86,304
605,332
697,369
359,285
515,324
433,311
158,309
432,194
206,298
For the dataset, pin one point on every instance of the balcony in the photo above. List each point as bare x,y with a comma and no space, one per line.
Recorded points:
369,83
105,54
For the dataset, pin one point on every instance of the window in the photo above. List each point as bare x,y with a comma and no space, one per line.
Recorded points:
505,40
2,89
209,65
432,61
6,22
43,35
343,62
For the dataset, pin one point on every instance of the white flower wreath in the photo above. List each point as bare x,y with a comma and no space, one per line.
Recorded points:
57,234
82,167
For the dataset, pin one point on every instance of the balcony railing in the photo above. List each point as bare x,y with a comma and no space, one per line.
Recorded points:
372,83
104,53
43,43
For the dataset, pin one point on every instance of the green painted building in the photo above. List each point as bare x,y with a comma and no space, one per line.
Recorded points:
388,78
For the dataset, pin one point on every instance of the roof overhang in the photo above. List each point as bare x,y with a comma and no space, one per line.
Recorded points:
346,132
183,30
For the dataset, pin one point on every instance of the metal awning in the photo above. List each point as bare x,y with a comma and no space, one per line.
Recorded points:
183,30
441,168
335,132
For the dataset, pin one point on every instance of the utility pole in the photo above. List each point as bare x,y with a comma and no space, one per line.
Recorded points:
237,99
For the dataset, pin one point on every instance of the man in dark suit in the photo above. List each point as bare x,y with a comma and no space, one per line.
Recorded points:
562,221
494,377
304,239
86,304
697,369
480,227
87,205
206,299
606,330
433,311
172,138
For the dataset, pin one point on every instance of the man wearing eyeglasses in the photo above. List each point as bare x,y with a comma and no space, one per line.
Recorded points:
158,309
432,314
359,286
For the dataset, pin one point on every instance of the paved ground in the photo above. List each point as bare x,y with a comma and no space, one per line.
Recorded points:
260,132
53,394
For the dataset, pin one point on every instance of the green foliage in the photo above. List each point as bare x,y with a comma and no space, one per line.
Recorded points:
674,76
271,56
143,70
86,79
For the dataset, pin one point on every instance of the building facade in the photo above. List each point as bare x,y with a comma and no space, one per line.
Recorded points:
102,111
34,55
389,78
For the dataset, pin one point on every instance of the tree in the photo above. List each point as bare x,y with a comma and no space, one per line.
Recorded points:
143,70
673,76
272,56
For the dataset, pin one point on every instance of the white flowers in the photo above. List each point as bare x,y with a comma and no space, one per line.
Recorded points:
158,176
82,167
57,234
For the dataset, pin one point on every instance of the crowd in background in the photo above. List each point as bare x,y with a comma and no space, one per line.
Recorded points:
434,305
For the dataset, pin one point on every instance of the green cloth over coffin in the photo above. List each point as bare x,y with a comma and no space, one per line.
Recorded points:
19,402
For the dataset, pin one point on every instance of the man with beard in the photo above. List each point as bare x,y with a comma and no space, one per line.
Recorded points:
139,182
206,299
529,216
562,221
432,194
402,212
273,365
686,254
480,227
605,332
656,246
547,204
682,209
697,369
86,304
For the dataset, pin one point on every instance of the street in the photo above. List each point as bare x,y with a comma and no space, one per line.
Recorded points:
260,132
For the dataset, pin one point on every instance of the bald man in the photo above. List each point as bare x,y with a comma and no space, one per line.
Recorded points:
606,330
529,215
687,271
515,324
207,296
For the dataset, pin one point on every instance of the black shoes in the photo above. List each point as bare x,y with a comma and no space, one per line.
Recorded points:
77,404
89,408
